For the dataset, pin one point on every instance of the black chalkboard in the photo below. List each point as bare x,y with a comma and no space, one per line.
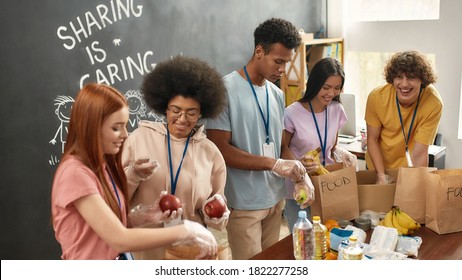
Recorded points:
49,48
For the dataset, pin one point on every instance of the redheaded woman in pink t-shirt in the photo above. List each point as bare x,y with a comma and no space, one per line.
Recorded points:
89,194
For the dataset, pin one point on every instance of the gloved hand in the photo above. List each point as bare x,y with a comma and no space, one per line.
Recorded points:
383,179
201,237
225,216
342,155
304,192
145,214
144,168
310,164
292,169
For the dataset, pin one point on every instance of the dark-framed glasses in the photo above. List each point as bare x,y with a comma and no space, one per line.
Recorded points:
190,115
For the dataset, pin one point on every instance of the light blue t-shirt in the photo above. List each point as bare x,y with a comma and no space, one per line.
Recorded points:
251,190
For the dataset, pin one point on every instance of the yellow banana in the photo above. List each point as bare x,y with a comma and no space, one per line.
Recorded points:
405,220
321,170
401,230
315,154
387,221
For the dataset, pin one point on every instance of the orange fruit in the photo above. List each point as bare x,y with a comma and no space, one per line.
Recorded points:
331,255
330,224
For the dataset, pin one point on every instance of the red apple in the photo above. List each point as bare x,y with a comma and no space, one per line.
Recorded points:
169,202
215,208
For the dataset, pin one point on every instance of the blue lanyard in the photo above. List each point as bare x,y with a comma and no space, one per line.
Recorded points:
115,189
266,121
127,255
323,147
406,139
173,182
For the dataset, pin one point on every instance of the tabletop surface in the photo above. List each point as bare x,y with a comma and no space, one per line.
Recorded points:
434,247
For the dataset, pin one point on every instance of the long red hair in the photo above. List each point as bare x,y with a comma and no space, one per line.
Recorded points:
94,103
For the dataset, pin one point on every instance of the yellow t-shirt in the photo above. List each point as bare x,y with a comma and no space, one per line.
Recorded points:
381,111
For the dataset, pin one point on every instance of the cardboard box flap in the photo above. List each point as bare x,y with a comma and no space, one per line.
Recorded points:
372,196
369,177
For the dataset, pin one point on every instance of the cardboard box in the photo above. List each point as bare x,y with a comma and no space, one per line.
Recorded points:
375,197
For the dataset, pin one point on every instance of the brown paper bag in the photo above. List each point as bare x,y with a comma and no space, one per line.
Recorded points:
336,194
410,191
444,201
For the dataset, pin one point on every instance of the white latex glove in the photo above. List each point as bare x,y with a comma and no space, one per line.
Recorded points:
383,179
348,159
307,187
292,169
225,216
309,163
201,237
144,168
145,214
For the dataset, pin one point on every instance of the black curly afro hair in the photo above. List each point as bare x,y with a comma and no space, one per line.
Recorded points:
188,77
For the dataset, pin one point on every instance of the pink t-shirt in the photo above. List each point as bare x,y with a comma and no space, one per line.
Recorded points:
299,121
72,181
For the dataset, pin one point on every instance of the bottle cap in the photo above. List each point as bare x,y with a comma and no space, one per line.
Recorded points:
302,214
353,238
316,218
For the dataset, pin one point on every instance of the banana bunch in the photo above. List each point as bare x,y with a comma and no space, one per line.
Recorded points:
397,218
315,154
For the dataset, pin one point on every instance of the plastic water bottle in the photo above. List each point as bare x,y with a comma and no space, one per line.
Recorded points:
303,238
320,244
353,251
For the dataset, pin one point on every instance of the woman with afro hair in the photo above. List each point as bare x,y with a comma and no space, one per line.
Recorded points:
176,157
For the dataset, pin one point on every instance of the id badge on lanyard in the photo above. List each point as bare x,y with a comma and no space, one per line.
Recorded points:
406,139
268,150
408,159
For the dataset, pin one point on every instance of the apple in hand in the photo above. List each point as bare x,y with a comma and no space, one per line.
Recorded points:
215,208
301,196
169,202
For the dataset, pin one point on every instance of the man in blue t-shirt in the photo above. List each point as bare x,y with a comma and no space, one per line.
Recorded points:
249,135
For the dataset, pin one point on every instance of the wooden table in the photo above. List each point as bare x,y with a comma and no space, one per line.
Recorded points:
434,247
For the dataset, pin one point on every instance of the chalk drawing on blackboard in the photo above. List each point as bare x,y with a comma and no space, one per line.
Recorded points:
137,110
63,112
155,117
54,160
116,42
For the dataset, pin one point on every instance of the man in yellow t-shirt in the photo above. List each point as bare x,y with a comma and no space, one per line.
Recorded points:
402,116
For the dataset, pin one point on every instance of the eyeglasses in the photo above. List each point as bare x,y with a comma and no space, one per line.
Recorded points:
191,115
